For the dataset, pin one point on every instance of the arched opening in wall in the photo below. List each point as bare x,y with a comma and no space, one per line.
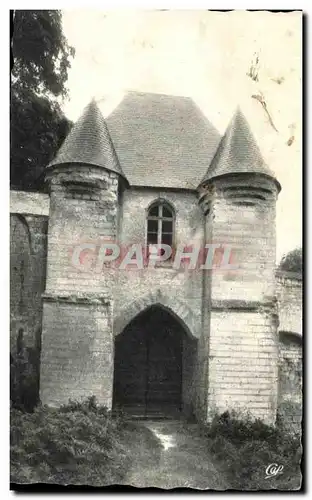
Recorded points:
21,298
154,366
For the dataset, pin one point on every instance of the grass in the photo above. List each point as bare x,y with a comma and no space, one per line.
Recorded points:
243,449
77,444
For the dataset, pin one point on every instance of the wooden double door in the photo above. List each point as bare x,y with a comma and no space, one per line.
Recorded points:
148,365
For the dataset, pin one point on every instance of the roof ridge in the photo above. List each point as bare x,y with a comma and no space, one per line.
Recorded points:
130,91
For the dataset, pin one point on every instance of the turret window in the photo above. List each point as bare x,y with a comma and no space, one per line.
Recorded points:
160,224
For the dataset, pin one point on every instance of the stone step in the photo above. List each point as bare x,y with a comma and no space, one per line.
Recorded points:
143,413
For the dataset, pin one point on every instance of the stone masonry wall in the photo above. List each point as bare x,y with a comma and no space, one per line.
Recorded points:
77,352
178,289
289,296
77,345
242,334
178,284
28,247
290,380
250,231
80,311
81,213
243,363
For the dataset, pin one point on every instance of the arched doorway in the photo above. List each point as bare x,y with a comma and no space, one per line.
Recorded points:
149,372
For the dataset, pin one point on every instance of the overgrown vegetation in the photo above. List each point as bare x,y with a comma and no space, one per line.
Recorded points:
292,262
79,443
243,449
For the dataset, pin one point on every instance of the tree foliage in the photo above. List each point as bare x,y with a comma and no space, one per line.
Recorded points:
41,59
292,262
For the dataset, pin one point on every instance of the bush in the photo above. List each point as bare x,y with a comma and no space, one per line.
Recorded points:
230,426
244,448
80,443
292,262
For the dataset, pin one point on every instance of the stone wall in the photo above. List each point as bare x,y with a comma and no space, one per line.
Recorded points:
77,342
289,295
28,242
23,202
247,224
178,290
183,286
84,309
241,320
83,209
243,363
290,380
77,351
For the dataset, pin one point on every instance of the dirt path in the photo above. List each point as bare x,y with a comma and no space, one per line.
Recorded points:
171,454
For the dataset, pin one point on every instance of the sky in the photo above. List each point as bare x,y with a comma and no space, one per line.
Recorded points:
207,56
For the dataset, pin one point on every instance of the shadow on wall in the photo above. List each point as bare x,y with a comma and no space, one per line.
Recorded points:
27,276
289,295
25,373
20,267
290,379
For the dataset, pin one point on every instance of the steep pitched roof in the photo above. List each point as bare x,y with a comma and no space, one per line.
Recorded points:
89,142
162,140
238,152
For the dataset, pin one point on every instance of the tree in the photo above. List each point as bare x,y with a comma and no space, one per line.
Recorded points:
41,58
292,262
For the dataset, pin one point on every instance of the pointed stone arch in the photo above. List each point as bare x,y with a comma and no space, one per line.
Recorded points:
177,307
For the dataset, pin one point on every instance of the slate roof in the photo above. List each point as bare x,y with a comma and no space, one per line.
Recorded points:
162,140
89,142
238,152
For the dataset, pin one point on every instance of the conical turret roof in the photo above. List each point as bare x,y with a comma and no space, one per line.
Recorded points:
238,152
89,142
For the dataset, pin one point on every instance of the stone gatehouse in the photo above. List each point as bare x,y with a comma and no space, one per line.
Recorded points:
162,338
